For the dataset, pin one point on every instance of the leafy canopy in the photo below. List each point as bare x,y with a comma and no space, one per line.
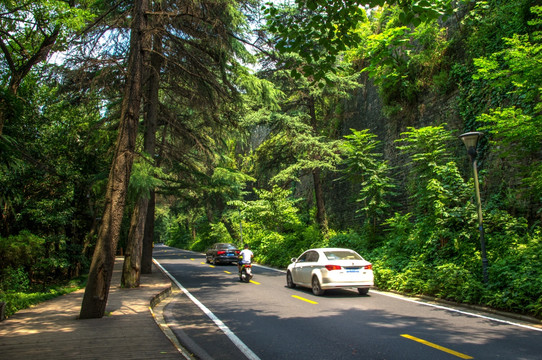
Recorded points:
321,29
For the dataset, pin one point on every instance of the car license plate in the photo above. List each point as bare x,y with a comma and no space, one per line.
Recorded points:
231,255
352,270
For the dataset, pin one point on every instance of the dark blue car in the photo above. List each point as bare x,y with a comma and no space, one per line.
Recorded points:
222,253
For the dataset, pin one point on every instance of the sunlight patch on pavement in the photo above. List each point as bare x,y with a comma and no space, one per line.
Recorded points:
303,299
438,347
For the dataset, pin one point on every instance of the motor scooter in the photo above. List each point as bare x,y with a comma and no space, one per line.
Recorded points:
246,273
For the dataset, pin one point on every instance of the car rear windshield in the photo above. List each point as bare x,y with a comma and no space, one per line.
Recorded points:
342,255
226,246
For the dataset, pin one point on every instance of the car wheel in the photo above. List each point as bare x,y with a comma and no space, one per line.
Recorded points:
207,260
316,288
289,281
363,291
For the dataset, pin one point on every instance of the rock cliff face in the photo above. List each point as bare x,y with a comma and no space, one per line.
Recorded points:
365,111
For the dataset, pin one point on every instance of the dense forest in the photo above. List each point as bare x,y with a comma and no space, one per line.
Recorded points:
283,125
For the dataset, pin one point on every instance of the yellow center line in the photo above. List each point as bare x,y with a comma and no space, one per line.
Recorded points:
306,300
192,259
202,263
255,282
227,272
212,266
438,347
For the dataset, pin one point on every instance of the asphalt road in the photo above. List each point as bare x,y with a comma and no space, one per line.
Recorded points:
267,320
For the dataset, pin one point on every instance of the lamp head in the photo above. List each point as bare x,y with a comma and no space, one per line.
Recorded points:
470,140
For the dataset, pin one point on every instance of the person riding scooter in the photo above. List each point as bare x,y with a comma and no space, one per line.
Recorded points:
245,257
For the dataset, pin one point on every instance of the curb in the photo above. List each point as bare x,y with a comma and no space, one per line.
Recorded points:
157,302
157,299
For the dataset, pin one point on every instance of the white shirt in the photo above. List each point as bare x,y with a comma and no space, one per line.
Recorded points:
247,256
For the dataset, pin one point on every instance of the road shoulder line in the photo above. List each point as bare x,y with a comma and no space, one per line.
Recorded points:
448,308
236,341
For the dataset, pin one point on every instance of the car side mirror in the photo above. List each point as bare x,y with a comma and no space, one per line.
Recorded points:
294,260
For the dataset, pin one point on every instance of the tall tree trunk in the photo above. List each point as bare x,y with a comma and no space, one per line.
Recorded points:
103,260
235,235
321,216
148,236
131,270
151,120
133,259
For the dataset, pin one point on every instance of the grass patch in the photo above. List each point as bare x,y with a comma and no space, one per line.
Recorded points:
16,301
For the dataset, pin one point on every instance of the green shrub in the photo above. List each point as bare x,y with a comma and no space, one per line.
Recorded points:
454,282
384,277
21,250
349,240
14,280
516,279
16,300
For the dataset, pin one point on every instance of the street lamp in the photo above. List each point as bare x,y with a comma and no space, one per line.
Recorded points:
241,226
470,140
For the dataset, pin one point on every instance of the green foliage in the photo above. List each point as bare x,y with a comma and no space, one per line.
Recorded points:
514,122
375,193
23,250
56,146
360,156
491,21
366,167
268,246
30,258
273,210
436,188
144,178
321,29
209,234
277,248
403,61
298,141
19,299
350,240
179,239
514,270
30,23
14,280
426,146
28,265
389,64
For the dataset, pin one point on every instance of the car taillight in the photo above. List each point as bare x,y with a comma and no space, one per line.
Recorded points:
368,267
333,267
237,252
221,252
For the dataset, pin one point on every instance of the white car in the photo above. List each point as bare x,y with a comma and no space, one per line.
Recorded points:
330,268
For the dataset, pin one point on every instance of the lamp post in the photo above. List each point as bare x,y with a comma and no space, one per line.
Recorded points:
470,140
241,226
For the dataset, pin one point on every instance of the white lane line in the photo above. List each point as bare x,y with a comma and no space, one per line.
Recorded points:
236,341
458,311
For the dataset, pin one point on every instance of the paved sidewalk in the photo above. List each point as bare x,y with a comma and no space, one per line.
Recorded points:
51,330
